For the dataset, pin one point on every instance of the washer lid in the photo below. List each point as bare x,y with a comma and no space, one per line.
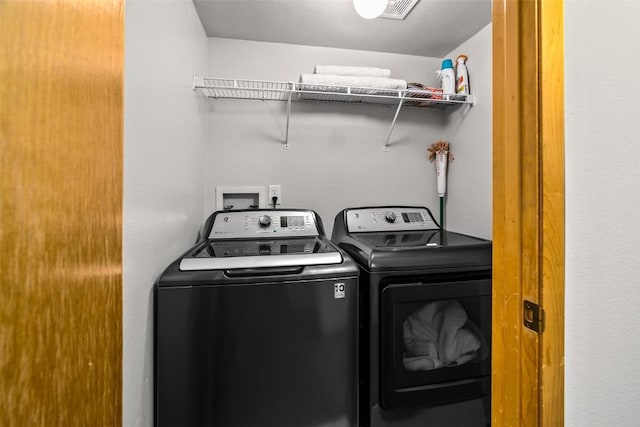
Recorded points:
260,253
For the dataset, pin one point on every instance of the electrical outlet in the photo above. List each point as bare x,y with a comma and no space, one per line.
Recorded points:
274,191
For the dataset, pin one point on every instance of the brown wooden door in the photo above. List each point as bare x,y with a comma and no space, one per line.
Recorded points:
61,121
528,212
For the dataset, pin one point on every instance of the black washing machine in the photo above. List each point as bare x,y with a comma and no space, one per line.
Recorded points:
425,340
256,326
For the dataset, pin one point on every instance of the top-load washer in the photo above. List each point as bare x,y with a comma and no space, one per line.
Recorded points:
256,326
425,342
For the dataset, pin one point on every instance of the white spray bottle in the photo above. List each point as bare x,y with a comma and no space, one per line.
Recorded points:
462,76
447,78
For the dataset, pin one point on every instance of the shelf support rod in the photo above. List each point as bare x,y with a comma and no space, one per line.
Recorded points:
286,137
393,123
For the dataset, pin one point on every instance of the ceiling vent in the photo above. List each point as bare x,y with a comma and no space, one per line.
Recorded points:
398,9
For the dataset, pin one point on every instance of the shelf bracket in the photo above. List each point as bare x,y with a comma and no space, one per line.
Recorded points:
286,136
393,123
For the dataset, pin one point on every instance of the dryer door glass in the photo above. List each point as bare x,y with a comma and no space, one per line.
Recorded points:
435,342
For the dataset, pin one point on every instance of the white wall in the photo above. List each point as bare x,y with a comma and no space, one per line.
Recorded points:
336,158
163,173
602,364
468,131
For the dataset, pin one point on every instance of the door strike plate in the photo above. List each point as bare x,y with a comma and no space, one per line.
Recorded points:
533,316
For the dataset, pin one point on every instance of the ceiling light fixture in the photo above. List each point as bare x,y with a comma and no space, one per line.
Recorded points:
370,9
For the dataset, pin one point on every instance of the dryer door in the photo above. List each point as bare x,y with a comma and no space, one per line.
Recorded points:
435,343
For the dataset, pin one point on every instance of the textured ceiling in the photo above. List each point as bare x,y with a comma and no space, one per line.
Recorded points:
433,28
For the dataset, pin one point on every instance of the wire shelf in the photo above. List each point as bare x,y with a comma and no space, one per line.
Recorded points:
265,90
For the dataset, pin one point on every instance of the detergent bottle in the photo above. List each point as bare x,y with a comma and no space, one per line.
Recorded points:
462,76
447,78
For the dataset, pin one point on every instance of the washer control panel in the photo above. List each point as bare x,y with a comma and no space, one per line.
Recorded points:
263,223
389,219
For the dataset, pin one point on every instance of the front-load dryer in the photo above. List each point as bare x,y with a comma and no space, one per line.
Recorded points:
425,340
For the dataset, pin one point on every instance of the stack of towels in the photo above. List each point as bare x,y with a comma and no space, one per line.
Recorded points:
326,76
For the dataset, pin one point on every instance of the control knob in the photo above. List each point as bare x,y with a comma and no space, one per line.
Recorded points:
390,217
264,221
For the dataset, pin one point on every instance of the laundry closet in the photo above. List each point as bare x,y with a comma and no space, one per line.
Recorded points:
181,145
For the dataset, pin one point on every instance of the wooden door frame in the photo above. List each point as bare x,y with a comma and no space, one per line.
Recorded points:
528,211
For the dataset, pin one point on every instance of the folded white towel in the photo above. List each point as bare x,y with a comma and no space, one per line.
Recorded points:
350,70
435,336
320,82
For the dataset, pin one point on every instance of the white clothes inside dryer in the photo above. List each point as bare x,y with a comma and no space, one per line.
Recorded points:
440,335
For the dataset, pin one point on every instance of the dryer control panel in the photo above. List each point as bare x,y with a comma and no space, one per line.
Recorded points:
263,224
389,218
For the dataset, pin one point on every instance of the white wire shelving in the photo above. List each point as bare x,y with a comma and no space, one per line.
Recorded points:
264,90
